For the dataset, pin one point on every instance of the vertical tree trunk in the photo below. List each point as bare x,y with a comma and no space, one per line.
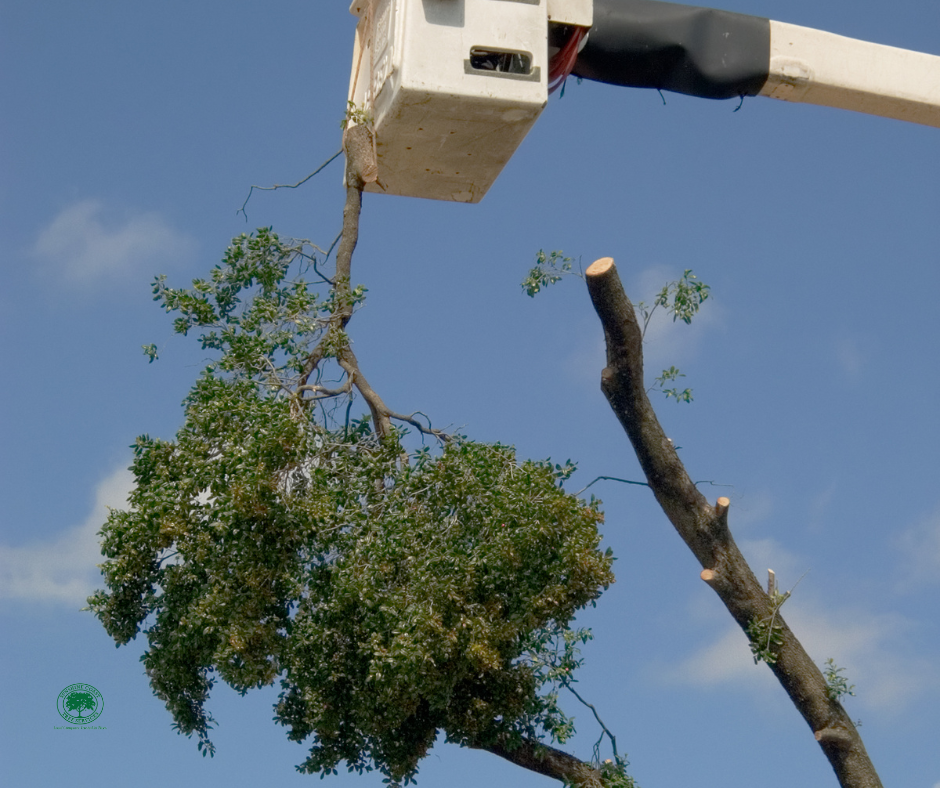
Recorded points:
704,528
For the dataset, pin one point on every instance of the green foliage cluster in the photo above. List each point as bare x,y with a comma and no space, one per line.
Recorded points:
548,269
765,634
393,592
682,299
837,685
765,638
614,773
668,376
357,115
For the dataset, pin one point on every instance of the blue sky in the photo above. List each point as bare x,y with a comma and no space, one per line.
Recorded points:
129,137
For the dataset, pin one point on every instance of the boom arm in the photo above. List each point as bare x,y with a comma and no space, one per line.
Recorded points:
718,54
452,87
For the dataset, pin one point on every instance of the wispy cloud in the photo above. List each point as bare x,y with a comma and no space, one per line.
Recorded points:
585,363
871,647
920,548
666,341
751,508
849,354
874,648
84,244
63,569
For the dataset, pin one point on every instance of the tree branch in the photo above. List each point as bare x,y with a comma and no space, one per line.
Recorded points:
284,186
429,430
604,728
348,361
704,528
358,147
542,759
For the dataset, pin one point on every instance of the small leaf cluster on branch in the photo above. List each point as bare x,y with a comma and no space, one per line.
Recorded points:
682,299
393,592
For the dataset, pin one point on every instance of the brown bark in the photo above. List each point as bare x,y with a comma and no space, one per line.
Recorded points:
359,146
542,759
704,528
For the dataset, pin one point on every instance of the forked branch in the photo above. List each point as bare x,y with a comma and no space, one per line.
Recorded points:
704,528
360,169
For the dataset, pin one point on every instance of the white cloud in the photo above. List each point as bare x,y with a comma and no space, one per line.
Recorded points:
819,506
920,548
81,246
64,568
749,509
666,343
764,554
850,356
887,675
726,659
585,363
669,342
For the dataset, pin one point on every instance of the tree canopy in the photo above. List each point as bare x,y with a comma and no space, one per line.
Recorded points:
394,589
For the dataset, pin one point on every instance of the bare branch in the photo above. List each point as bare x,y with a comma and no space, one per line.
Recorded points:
333,246
442,436
610,479
313,264
542,759
704,528
354,145
380,418
604,728
322,392
285,186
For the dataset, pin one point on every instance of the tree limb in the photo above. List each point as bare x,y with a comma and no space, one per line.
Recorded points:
704,528
604,729
348,361
542,759
442,436
354,145
358,143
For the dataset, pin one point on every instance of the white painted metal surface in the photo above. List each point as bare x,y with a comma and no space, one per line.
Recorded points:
452,89
815,67
571,12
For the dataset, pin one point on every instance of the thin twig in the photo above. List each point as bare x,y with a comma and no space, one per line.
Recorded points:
611,479
613,740
776,607
285,185
644,484
313,262
333,246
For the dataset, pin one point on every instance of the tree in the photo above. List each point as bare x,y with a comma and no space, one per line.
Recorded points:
79,702
704,528
395,590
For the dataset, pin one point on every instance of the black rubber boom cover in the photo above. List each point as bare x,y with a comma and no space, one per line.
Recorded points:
696,51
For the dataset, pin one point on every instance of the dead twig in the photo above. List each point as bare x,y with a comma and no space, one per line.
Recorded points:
285,185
